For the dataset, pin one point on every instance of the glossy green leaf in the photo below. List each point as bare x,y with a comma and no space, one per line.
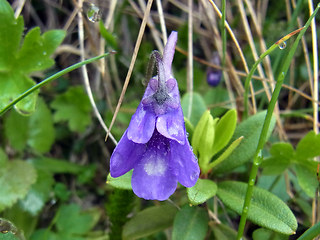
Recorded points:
35,131
202,191
266,209
223,232
122,182
281,157
190,223
250,129
14,188
203,138
149,221
71,220
224,130
39,193
265,234
197,109
74,107
308,147
17,61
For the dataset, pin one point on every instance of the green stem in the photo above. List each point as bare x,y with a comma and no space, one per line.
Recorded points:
49,79
263,136
248,79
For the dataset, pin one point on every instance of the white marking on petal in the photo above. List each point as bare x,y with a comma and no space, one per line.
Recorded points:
155,166
173,130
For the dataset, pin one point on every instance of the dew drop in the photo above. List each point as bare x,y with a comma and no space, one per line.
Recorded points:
44,53
251,182
93,13
194,176
282,45
245,209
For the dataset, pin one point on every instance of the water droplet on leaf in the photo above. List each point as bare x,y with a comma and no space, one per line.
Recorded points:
44,53
93,13
282,45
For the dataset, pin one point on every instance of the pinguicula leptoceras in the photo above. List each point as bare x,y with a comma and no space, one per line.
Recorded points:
155,145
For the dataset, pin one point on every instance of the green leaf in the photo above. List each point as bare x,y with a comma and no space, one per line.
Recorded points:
223,232
197,109
311,233
224,130
61,191
54,165
44,234
17,62
108,37
213,99
308,147
190,223
35,131
189,128
203,138
122,182
9,236
225,154
307,176
74,107
39,193
265,234
8,231
282,155
202,191
266,209
35,52
14,188
3,158
250,129
149,221
10,35
71,220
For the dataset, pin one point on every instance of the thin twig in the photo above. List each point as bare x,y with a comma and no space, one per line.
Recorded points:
133,60
162,22
85,74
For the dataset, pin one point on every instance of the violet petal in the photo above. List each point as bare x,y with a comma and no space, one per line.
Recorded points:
142,125
168,53
125,155
171,125
185,163
153,178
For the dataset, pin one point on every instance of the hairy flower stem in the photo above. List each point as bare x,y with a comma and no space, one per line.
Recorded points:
263,136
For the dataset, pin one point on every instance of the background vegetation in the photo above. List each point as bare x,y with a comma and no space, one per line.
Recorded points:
53,157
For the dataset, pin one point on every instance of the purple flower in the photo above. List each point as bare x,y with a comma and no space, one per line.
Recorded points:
214,75
155,145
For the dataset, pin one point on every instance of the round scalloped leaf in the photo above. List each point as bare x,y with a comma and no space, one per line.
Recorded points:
266,209
16,179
